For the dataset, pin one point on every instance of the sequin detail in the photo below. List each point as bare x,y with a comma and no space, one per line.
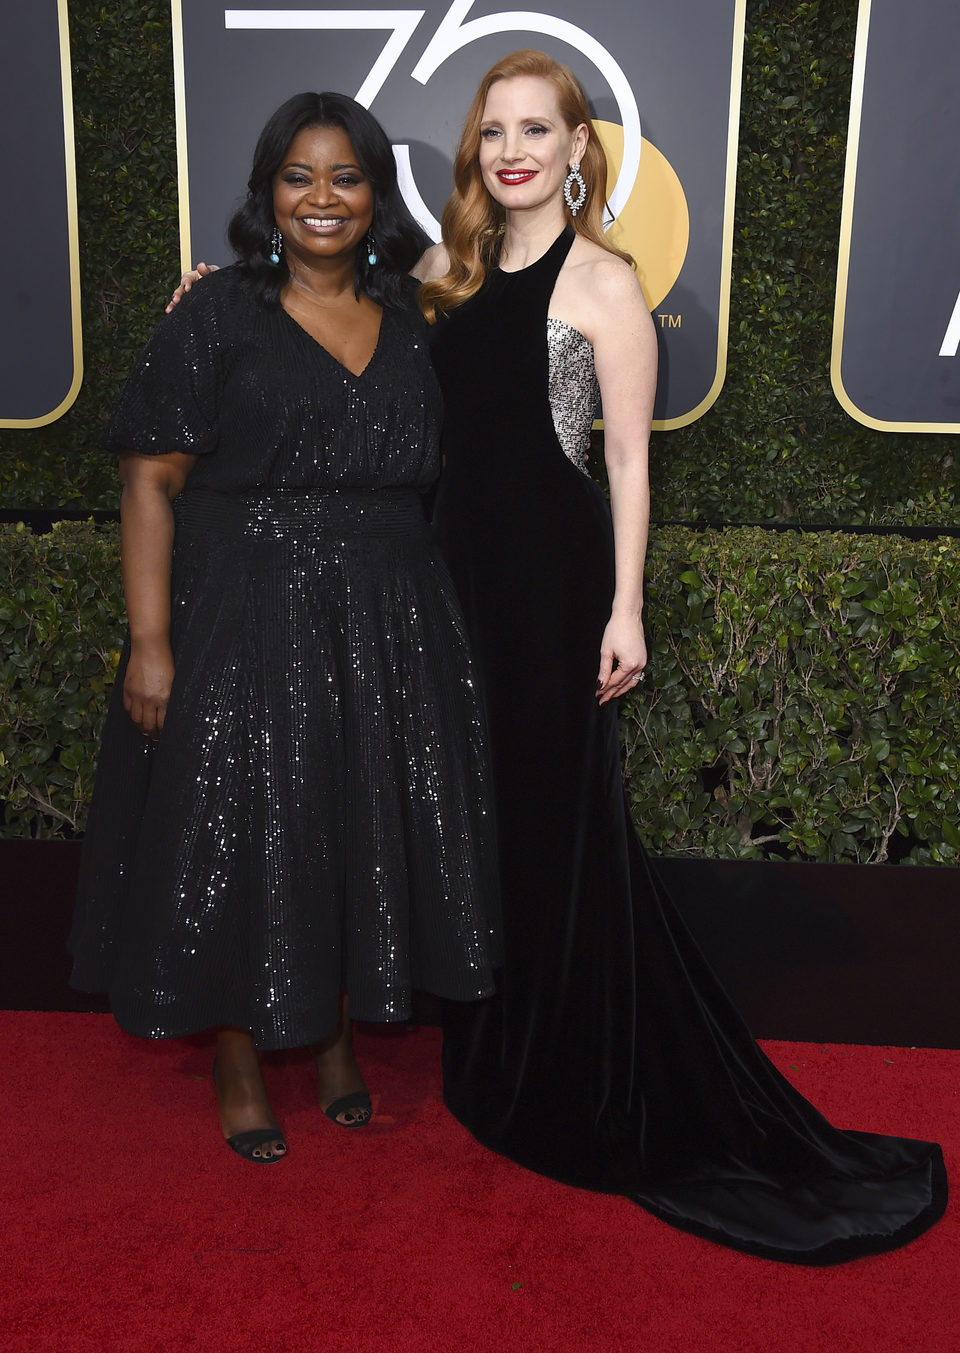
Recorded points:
315,816
573,389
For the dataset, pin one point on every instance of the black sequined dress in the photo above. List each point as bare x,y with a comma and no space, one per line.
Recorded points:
609,1057
314,816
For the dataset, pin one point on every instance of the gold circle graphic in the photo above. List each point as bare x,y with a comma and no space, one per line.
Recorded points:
654,225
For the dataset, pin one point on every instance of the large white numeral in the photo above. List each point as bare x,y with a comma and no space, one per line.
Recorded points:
402,22
951,339
453,33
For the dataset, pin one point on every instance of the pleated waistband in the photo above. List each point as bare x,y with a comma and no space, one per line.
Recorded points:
298,514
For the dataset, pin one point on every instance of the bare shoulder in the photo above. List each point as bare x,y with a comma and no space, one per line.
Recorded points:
598,273
434,263
593,287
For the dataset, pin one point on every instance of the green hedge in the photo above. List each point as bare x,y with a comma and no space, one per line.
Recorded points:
802,703
61,628
804,698
775,447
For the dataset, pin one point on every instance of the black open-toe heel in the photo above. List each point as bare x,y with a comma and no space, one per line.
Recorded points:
357,1103
245,1143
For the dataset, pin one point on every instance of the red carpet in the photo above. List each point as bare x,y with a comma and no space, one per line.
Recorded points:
131,1228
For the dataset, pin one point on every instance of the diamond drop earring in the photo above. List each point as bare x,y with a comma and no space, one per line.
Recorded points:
574,177
276,245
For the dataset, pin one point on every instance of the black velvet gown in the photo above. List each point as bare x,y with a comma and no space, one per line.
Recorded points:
314,816
610,1057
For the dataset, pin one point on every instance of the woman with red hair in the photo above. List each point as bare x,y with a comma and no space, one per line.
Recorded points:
609,1056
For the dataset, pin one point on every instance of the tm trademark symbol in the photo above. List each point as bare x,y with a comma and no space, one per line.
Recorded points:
670,321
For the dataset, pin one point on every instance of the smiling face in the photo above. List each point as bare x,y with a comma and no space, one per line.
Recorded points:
526,148
322,200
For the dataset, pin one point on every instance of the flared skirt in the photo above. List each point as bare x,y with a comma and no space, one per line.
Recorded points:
314,816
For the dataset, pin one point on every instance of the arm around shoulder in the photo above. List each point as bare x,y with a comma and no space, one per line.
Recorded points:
187,280
433,263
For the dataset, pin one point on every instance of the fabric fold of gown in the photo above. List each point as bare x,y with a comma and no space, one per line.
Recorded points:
609,1057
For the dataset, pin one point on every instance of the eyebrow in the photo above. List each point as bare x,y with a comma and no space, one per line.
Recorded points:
301,164
533,117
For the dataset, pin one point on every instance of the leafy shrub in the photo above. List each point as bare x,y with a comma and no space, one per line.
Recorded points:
60,635
803,699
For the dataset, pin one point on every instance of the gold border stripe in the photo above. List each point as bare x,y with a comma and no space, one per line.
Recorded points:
846,230
73,233
180,107
729,207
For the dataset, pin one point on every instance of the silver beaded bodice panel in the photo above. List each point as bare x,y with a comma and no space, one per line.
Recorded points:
573,389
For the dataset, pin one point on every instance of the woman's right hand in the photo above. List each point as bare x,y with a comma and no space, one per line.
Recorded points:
187,281
147,685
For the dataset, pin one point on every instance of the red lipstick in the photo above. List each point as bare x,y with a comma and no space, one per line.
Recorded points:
511,177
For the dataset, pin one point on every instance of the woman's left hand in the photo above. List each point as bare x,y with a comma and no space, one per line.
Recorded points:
623,656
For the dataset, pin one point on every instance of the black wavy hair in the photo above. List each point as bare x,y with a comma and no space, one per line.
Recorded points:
399,240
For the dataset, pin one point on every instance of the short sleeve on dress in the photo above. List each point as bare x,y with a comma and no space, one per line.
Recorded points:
171,401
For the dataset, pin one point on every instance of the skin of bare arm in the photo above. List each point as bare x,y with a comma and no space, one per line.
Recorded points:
601,295
149,486
433,263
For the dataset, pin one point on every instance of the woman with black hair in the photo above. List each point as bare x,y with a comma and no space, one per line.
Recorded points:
291,811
